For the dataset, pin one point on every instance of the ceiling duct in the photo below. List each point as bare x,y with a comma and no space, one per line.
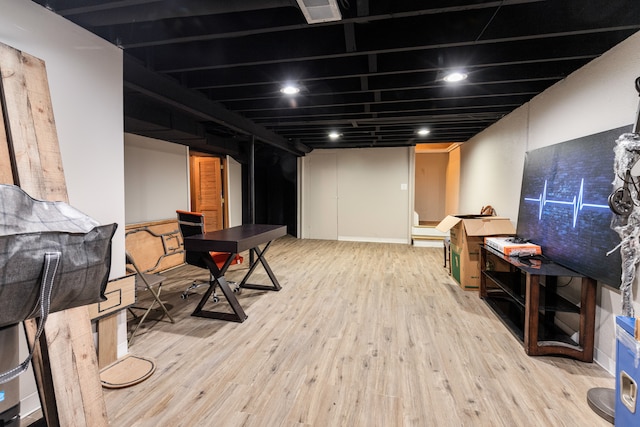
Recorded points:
316,11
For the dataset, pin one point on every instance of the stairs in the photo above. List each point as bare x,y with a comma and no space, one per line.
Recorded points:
427,236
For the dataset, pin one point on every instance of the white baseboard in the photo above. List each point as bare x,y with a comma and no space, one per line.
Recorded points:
373,239
420,243
29,404
604,361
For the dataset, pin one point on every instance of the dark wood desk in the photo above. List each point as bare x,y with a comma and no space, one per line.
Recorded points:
234,240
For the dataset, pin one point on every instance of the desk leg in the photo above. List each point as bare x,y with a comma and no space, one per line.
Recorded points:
260,253
218,279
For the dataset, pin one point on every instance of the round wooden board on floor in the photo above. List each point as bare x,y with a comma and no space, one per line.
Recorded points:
128,371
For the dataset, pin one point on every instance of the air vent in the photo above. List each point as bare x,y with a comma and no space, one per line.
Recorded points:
316,11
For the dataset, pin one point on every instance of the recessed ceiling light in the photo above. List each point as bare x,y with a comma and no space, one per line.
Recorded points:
423,132
290,90
456,76
333,135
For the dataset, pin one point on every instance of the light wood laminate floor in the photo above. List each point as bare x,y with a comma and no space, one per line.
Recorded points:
361,334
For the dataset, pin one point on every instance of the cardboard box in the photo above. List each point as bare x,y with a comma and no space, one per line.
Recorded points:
506,246
627,409
467,234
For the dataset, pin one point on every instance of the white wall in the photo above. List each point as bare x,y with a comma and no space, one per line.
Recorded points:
373,193
491,167
598,97
85,80
319,197
156,179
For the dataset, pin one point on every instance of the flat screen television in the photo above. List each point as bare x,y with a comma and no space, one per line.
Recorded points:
564,205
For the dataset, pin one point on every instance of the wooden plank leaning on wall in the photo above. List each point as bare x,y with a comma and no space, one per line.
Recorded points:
71,394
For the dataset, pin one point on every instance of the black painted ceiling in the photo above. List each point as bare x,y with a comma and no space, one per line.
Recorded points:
207,73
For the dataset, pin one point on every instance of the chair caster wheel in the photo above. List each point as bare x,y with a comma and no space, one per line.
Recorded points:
184,296
215,299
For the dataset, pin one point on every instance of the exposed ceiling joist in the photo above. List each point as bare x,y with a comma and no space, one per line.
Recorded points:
163,89
213,70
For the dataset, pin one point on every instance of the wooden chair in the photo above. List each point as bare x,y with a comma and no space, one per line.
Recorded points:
190,224
146,282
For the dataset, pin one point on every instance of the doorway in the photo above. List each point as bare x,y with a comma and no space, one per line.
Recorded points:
208,187
436,181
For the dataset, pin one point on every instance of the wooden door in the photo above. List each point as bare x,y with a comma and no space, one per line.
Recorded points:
206,190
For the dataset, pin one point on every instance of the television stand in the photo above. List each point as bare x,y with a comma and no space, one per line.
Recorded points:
524,296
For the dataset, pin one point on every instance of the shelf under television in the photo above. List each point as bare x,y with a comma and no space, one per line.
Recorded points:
514,283
525,299
512,315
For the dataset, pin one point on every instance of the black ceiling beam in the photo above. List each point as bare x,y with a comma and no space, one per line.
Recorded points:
396,128
76,7
352,106
534,74
154,120
168,91
254,61
383,121
271,29
391,95
137,11
376,75
392,63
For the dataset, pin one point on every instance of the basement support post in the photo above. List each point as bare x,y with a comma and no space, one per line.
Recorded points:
252,186
252,179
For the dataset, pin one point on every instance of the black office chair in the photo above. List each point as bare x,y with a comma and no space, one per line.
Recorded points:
190,224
